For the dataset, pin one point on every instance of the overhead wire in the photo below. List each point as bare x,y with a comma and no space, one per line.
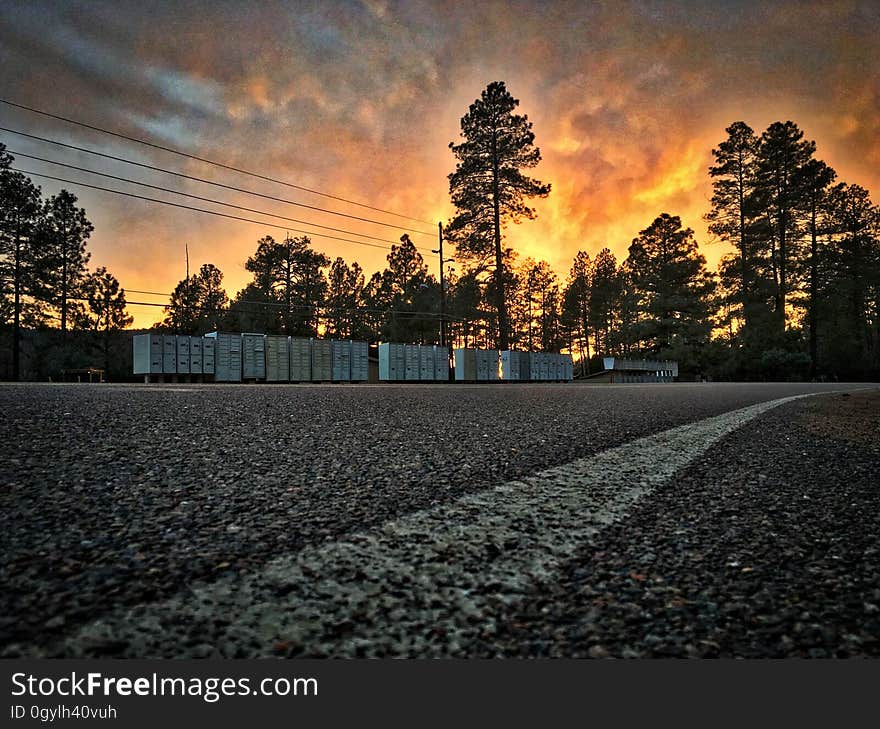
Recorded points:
199,210
207,161
258,305
197,197
203,180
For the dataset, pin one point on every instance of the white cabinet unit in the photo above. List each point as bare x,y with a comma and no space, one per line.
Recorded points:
465,365
227,356
147,354
510,368
277,358
340,352
253,347
360,361
300,359
392,362
322,365
183,354
411,361
208,349
426,362
195,355
441,364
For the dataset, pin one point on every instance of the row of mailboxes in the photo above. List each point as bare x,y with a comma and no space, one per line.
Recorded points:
232,357
158,354
490,365
413,362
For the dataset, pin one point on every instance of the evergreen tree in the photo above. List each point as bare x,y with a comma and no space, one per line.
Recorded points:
605,295
488,187
198,304
813,181
62,255
19,211
782,152
411,295
673,289
733,183
291,274
106,313
853,278
345,300
576,306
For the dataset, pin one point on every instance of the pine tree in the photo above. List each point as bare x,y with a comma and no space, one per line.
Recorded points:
673,289
290,273
733,182
198,303
106,311
61,253
605,296
488,187
345,298
576,305
19,211
782,152
813,180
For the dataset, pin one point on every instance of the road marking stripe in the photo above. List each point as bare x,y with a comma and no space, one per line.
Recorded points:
425,584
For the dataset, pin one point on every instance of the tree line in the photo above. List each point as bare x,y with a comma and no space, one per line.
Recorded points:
45,282
798,297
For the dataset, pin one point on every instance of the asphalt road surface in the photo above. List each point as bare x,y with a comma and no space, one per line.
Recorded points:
533,520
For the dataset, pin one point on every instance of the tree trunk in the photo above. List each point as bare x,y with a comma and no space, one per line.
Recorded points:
499,262
63,282
814,276
16,316
742,247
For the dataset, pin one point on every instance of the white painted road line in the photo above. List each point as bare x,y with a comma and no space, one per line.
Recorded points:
425,584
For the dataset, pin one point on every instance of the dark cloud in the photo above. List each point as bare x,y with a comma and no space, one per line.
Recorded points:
361,99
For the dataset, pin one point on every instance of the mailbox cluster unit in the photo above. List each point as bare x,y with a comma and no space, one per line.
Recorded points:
160,354
232,357
489,365
413,362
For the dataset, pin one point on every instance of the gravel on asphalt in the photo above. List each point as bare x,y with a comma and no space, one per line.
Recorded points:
115,496
766,546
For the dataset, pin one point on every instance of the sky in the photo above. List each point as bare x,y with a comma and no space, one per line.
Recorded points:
361,99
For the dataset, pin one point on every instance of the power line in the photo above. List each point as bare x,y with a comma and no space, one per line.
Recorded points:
195,209
197,197
258,305
207,161
202,180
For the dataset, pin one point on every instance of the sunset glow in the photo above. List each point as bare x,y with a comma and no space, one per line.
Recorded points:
360,100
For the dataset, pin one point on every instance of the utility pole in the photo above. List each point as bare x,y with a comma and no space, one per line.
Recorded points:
442,288
188,284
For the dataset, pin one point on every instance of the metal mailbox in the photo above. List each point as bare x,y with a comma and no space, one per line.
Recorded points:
300,359
392,362
510,369
208,356
253,348
360,361
411,361
493,365
277,358
340,352
465,365
195,355
426,363
441,364
183,354
322,364
227,356
482,359
147,354
169,354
